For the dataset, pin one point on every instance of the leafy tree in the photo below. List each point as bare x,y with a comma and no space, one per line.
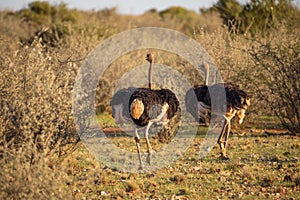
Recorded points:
257,16
230,11
263,15
55,18
186,18
175,11
41,12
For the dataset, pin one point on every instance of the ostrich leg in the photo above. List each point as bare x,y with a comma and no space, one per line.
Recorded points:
226,138
150,151
222,138
137,140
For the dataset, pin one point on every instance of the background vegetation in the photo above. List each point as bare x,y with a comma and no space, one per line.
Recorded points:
255,46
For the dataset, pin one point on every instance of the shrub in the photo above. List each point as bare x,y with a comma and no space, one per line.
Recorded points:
36,100
23,179
277,76
36,131
186,19
257,16
44,13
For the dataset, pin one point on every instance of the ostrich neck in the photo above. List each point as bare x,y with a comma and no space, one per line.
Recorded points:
206,76
150,75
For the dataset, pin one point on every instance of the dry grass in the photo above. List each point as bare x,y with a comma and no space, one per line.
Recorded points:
250,174
40,156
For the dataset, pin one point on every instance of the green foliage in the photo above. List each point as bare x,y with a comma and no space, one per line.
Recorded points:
180,14
263,15
175,11
257,16
152,10
41,12
186,18
229,10
56,18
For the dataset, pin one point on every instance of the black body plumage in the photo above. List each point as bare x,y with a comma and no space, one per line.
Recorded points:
235,97
170,98
153,101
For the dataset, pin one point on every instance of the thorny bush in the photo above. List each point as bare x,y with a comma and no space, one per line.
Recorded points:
36,100
277,75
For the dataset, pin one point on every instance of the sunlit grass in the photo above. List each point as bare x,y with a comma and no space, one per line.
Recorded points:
256,169
105,119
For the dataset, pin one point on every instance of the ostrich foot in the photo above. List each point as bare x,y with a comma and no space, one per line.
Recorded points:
140,167
224,157
149,156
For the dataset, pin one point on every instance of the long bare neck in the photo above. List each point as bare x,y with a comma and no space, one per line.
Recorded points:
150,75
206,67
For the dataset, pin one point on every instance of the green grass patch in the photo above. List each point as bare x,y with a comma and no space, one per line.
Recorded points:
106,120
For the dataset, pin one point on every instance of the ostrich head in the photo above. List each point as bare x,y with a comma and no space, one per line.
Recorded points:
246,102
150,57
241,112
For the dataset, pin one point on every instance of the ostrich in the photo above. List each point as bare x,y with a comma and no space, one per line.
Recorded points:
237,102
148,106
144,106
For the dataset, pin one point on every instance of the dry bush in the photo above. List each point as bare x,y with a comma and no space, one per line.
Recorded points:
13,27
36,129
297,180
276,75
36,100
226,48
24,177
